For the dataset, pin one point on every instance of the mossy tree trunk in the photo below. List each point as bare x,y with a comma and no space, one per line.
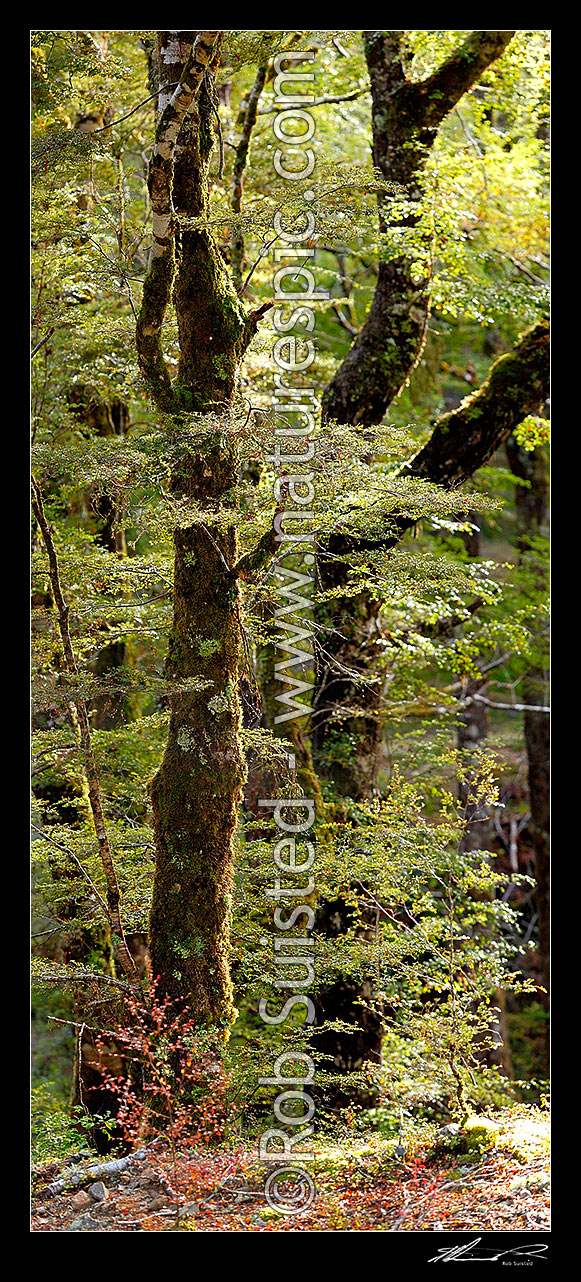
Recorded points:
346,724
406,116
197,789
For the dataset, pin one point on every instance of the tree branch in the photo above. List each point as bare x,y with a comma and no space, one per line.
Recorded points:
42,341
320,102
240,162
462,441
440,92
467,437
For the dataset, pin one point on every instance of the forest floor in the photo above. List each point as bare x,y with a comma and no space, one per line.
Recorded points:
502,1183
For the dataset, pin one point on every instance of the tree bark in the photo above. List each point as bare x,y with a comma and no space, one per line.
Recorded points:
461,442
467,437
406,116
198,786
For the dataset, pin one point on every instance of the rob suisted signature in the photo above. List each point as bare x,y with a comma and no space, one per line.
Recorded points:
474,1251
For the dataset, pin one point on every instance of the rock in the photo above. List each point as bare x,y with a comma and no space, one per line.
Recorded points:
99,1192
447,1132
157,1204
104,1209
81,1200
83,1224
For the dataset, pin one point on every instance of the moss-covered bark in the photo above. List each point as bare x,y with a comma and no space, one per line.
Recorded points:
197,789
461,442
405,119
468,436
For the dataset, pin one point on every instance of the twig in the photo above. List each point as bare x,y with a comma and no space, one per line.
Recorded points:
42,342
134,109
262,254
320,102
78,864
511,707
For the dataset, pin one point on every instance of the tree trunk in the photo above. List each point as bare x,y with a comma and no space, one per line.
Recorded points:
472,732
197,789
538,743
405,119
350,674
349,682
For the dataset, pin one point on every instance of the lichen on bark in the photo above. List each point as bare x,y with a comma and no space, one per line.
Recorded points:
196,791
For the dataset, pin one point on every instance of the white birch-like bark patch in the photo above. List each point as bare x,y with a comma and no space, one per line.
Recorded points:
163,99
161,225
172,51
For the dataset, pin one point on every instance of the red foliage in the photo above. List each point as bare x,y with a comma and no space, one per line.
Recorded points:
175,1083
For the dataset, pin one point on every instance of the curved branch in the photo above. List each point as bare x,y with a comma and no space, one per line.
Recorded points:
463,440
441,91
405,117
467,437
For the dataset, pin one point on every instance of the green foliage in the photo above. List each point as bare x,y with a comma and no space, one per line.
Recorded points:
58,1132
432,927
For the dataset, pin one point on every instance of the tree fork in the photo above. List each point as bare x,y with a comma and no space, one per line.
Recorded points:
405,119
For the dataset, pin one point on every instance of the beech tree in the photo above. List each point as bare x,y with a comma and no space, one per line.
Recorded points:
405,118
198,786
156,568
